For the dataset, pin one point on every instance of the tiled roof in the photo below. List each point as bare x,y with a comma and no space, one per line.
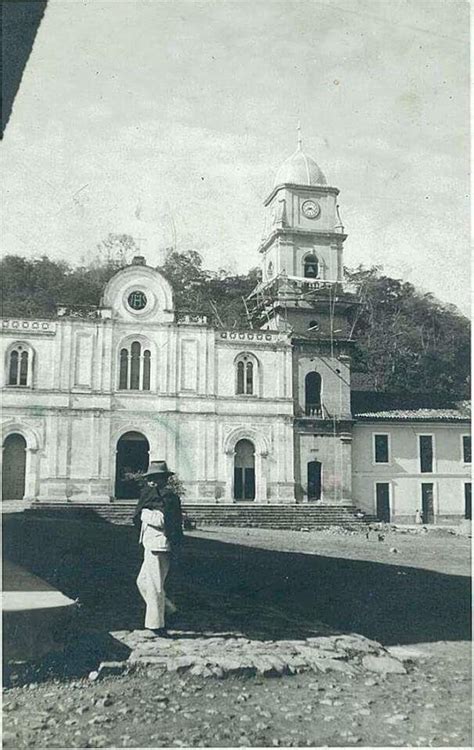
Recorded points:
458,412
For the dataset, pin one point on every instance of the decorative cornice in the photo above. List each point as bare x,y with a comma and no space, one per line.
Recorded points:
255,336
289,231
343,424
29,327
324,341
321,189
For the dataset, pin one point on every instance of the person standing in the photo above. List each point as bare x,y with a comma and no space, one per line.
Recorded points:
159,516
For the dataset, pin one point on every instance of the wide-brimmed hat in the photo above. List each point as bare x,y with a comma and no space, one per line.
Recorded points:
158,468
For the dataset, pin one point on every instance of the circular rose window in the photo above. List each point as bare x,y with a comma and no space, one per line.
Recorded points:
137,300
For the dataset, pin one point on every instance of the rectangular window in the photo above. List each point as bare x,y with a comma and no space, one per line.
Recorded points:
466,449
381,454
382,495
426,453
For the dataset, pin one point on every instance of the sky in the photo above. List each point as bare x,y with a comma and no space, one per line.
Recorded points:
168,120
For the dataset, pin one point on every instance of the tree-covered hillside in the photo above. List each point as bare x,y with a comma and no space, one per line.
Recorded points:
407,341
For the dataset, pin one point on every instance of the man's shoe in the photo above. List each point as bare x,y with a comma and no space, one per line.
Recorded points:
160,632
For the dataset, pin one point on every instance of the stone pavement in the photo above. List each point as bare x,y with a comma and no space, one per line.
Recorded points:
230,653
220,635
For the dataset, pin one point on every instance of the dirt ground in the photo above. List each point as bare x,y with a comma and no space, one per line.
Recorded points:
417,596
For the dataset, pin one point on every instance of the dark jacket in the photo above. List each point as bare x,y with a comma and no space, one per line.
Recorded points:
170,504
173,517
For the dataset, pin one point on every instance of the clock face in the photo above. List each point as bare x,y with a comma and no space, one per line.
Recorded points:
311,209
137,300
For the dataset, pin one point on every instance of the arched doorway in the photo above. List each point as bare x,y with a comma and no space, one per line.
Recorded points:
244,471
312,394
14,467
132,457
314,480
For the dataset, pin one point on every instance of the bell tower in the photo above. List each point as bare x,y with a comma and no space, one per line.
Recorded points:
303,292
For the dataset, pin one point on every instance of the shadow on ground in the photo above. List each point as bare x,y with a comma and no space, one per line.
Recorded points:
220,586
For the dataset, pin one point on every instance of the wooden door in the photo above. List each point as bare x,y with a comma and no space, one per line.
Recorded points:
468,500
314,480
382,492
244,471
14,467
427,502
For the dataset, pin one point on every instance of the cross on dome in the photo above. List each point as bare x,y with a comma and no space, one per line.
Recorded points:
300,139
300,168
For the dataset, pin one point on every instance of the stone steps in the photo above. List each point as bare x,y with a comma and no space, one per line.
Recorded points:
292,517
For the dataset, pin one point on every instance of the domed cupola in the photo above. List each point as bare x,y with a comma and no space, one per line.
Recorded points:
299,169
303,234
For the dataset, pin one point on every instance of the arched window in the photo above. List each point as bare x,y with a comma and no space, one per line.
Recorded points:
244,470
313,326
135,351
123,381
312,394
146,369
135,368
19,366
311,267
246,373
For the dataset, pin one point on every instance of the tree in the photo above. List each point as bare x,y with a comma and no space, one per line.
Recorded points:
217,294
117,249
407,340
31,287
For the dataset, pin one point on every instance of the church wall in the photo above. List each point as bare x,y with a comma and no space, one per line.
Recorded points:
43,345
335,390
271,357
83,414
334,454
300,320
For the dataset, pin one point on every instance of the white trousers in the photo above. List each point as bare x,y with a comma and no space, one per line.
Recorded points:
151,585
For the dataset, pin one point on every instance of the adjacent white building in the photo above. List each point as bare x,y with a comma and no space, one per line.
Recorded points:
409,460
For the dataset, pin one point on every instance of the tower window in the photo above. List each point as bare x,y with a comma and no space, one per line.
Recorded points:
245,384
19,366
312,389
135,368
311,267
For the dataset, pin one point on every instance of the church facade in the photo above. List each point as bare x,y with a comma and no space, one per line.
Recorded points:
258,416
